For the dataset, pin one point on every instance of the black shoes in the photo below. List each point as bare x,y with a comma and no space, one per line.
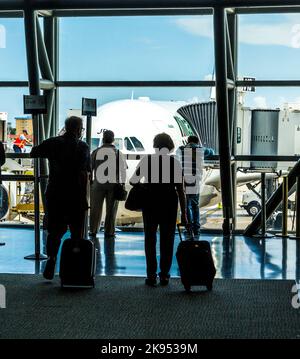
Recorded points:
151,282
164,280
49,268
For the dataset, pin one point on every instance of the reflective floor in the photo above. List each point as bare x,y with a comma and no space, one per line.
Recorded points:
239,257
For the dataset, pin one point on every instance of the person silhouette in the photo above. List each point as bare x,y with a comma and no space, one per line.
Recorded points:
163,181
66,194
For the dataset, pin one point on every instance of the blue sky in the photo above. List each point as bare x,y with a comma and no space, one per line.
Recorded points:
155,48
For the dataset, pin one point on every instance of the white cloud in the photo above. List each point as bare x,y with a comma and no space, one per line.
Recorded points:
260,102
284,33
201,26
2,37
195,99
209,77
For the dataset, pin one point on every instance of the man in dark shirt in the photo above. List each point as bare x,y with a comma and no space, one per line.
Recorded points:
66,194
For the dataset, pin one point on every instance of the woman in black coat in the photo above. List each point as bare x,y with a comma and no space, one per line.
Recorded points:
162,174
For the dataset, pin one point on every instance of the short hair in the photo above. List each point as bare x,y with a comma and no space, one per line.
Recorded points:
193,139
163,140
73,123
25,131
108,136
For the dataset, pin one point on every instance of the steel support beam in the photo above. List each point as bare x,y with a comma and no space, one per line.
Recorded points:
34,89
132,12
232,43
44,63
7,5
136,83
223,117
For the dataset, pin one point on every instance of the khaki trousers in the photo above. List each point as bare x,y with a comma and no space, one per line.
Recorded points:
99,193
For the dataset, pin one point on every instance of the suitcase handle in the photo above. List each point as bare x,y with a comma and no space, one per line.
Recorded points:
188,228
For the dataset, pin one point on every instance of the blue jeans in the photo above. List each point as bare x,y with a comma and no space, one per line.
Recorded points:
193,211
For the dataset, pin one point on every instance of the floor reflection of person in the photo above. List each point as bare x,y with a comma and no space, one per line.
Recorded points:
263,258
66,194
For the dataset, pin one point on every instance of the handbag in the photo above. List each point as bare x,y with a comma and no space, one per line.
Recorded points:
137,197
120,194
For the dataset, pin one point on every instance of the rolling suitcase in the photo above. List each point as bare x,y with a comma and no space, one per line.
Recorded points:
195,262
78,264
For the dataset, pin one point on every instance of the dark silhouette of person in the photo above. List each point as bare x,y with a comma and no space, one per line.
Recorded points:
162,175
2,154
192,161
2,161
67,193
105,190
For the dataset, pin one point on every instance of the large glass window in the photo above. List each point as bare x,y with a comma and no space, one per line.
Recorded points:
136,48
12,50
269,46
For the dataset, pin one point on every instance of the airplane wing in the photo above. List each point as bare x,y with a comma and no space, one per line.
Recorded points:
241,179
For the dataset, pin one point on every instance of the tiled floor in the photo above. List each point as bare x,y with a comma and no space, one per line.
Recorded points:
241,258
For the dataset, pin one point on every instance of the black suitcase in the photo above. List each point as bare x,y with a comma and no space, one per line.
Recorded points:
195,261
78,264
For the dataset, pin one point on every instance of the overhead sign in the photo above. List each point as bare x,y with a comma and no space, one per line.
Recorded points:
249,88
35,104
89,107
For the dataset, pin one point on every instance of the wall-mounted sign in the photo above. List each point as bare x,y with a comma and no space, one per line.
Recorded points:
34,104
249,88
89,107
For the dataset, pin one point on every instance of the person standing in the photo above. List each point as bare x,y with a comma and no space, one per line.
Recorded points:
20,142
2,161
66,194
191,157
163,186
109,168
2,155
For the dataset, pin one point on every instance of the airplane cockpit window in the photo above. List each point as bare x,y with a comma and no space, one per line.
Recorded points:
128,144
94,143
137,144
119,143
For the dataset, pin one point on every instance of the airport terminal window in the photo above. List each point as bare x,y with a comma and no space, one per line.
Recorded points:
11,107
119,143
94,144
268,100
136,48
71,97
12,50
275,40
